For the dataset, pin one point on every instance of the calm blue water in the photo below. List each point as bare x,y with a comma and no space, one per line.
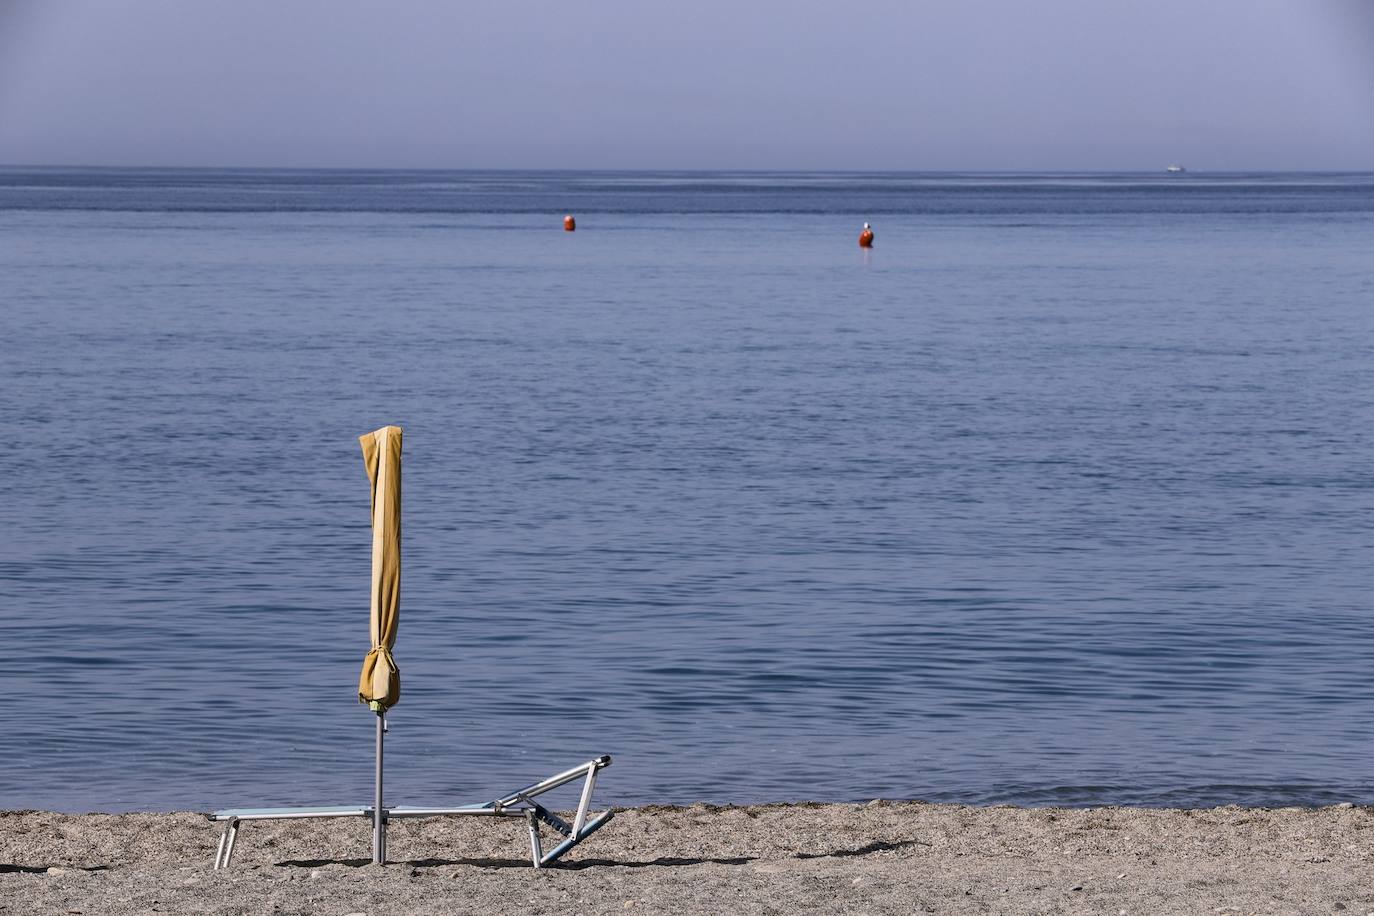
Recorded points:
1063,494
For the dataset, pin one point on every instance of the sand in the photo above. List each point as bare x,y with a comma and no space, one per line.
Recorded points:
876,858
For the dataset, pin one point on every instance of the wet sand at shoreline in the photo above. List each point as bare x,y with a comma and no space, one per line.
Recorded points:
831,858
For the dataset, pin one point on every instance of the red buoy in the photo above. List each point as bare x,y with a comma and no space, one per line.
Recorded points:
866,237
569,224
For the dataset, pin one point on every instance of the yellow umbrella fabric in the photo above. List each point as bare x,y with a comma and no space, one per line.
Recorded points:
379,686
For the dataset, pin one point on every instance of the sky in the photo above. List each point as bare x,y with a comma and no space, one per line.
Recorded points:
696,84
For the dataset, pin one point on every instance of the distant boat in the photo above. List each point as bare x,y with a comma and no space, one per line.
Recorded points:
1175,168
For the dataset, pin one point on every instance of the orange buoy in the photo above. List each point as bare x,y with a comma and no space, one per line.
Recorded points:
569,224
866,237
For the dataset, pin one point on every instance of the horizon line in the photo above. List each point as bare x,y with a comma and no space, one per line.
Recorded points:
1188,170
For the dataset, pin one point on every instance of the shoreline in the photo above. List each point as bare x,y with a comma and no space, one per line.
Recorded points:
805,857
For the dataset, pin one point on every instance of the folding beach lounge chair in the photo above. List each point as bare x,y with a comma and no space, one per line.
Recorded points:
379,687
520,803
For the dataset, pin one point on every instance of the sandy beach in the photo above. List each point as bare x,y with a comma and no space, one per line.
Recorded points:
874,858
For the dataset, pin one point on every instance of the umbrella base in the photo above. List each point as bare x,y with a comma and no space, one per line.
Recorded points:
519,803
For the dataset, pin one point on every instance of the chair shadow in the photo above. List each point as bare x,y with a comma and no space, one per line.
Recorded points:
8,869
865,850
662,861
413,863
579,864
321,863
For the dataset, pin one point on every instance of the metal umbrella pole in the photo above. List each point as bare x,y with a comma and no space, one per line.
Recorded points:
378,812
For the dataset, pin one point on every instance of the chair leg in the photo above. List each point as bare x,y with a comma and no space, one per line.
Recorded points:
233,839
226,843
585,801
219,852
536,844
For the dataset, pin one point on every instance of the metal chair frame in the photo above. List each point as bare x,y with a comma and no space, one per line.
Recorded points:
520,803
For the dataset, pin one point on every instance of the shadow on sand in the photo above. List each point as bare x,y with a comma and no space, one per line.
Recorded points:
8,869
660,862
516,863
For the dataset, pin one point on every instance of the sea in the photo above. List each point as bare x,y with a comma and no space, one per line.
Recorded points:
1062,494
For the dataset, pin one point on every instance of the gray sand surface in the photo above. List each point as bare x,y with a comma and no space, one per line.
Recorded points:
876,858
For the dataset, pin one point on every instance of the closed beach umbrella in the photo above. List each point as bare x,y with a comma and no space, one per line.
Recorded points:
379,685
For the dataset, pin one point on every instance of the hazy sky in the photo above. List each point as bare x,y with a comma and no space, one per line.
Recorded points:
882,84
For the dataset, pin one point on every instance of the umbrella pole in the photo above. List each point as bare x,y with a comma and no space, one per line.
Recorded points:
378,816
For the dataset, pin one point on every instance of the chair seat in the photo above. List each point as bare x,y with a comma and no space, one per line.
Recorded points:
267,814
